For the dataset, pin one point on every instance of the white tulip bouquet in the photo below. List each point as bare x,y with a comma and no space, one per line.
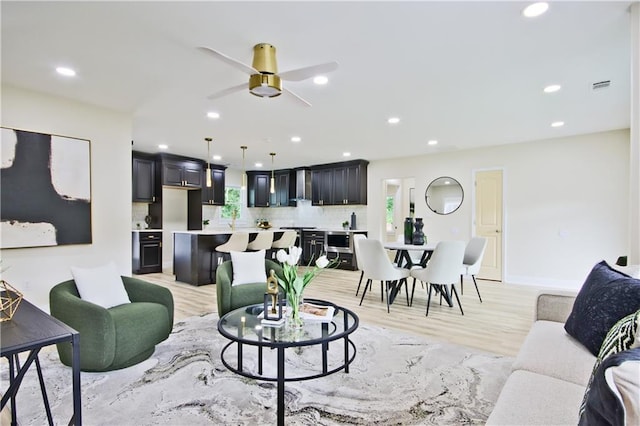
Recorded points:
292,284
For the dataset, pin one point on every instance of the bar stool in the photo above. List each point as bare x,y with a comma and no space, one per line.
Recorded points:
286,240
238,241
263,241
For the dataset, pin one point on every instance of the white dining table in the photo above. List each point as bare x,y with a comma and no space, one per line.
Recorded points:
403,259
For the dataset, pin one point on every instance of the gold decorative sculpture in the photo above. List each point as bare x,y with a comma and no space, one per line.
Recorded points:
273,314
10,298
272,290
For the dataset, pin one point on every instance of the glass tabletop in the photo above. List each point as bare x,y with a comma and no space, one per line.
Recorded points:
245,325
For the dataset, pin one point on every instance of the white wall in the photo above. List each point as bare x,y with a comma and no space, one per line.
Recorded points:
566,202
35,270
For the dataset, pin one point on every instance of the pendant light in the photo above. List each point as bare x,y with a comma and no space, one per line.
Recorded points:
244,172
208,159
273,179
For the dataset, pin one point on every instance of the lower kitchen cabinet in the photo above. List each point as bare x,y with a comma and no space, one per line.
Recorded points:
147,252
312,246
345,260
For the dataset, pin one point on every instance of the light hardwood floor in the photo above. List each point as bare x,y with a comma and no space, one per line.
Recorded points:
497,325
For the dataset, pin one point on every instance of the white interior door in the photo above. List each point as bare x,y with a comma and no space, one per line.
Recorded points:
488,221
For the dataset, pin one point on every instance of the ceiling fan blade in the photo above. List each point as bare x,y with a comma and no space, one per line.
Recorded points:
229,60
306,103
308,72
228,91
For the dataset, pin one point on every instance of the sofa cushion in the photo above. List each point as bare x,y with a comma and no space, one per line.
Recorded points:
606,296
550,351
614,397
102,286
248,267
534,399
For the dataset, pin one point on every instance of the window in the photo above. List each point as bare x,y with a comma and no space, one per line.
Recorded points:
233,203
390,208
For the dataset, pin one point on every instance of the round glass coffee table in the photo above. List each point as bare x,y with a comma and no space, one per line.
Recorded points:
244,327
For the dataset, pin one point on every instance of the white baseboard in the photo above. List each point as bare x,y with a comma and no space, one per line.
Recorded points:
544,282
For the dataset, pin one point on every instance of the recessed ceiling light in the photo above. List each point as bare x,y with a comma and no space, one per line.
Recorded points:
447,182
67,72
432,142
320,80
296,138
212,114
393,120
163,146
552,88
535,9
258,164
217,157
346,154
557,124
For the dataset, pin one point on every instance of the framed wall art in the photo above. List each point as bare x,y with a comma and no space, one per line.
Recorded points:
45,188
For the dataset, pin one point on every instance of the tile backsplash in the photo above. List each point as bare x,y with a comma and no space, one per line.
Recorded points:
303,215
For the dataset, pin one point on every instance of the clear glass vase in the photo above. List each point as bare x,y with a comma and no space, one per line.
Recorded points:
294,300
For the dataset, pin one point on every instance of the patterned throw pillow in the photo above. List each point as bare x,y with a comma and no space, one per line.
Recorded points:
622,336
606,296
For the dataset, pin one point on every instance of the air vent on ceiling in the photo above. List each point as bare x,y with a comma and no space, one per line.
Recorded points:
601,84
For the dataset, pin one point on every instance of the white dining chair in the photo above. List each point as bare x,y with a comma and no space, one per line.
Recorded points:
376,265
442,270
356,248
473,254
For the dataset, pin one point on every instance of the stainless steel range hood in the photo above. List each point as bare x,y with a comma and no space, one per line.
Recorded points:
303,184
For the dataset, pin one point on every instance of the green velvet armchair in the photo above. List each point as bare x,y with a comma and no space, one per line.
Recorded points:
118,337
234,297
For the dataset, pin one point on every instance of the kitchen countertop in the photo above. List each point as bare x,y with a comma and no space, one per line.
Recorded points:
146,230
228,231
253,229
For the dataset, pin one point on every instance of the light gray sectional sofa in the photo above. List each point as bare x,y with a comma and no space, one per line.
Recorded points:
550,373
557,379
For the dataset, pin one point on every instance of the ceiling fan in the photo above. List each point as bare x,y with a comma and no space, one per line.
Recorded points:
264,80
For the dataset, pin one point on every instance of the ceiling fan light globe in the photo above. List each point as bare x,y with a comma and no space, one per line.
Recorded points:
265,85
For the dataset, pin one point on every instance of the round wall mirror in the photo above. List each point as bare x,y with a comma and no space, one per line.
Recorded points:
444,195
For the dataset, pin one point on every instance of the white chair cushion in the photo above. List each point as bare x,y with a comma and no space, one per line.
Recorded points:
102,286
248,267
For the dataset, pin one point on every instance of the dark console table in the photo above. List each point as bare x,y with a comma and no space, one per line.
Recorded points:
30,330
243,327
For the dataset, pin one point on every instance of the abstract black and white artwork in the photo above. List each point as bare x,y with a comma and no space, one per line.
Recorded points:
45,187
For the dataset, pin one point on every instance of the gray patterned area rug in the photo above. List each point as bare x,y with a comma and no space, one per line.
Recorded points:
395,378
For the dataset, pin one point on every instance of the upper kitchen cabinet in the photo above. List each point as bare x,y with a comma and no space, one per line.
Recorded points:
181,172
350,183
284,189
322,186
339,183
258,189
144,177
214,195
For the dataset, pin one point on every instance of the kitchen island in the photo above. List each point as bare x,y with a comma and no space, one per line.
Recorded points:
193,260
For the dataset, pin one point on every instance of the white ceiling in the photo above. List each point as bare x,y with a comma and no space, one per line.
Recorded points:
468,74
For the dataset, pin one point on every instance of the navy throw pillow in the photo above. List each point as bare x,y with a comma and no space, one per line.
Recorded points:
606,296
603,407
